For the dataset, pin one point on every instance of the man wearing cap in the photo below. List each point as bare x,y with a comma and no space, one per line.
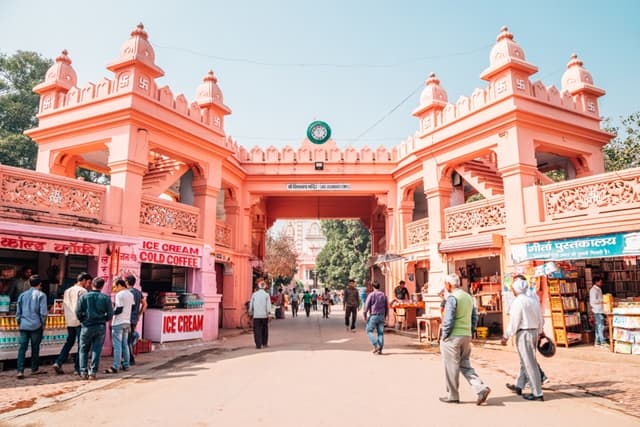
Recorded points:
70,303
94,310
31,315
459,321
525,323
260,310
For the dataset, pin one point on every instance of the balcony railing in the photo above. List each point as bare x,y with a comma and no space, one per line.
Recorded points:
223,234
418,233
592,195
50,194
175,217
475,217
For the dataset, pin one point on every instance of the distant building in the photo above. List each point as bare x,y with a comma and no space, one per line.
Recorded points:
309,241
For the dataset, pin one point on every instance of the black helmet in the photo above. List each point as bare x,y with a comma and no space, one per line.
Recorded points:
546,347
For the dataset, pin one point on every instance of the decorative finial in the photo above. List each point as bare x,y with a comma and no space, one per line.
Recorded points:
139,31
574,61
504,34
210,77
63,57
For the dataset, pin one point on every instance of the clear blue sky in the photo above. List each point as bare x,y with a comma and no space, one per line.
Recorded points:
377,53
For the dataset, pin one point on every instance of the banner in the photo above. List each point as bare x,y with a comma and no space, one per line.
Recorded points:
608,245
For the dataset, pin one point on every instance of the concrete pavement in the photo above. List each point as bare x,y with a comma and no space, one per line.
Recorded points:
316,373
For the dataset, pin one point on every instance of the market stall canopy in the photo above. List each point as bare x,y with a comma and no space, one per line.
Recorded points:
66,233
383,259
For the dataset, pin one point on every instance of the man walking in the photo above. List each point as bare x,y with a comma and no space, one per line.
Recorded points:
31,315
306,298
94,311
120,326
295,301
70,303
376,310
460,319
139,307
525,323
314,300
595,301
260,310
350,303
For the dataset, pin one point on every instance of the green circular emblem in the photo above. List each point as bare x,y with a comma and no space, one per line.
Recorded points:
318,132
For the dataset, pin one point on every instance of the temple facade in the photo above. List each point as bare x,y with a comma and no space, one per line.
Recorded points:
186,207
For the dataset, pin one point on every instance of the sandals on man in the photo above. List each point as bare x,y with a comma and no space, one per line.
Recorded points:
111,371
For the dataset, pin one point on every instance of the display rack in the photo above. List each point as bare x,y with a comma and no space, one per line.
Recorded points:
624,329
53,338
566,315
621,278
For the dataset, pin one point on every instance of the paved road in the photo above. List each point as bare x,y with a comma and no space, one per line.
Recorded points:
313,374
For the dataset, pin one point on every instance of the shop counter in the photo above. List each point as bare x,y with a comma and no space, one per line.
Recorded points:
173,325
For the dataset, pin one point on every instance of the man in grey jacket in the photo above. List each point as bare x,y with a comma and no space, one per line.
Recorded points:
260,310
31,314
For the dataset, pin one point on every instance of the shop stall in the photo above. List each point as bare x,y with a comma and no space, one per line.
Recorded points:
167,272
570,268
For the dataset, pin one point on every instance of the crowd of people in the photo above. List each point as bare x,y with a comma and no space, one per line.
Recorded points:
87,310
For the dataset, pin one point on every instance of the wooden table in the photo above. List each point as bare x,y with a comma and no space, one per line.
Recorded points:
431,324
410,312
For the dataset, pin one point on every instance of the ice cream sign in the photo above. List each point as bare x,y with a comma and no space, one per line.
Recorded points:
169,253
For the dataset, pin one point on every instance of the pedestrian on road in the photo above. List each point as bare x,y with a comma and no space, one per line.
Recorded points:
120,327
280,305
295,301
31,315
376,310
94,311
70,303
139,307
314,300
306,299
260,310
460,319
525,323
350,303
597,306
326,301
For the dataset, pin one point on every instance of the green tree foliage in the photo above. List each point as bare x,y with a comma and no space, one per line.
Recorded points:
623,151
19,73
345,254
280,261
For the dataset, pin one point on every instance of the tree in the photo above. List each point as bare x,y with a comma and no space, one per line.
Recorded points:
624,150
19,73
280,261
345,255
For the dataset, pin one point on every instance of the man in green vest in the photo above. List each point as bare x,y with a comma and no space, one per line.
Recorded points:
459,320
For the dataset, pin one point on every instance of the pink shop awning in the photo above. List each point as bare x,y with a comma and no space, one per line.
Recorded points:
65,234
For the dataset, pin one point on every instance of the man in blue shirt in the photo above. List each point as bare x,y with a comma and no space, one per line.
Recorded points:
31,315
376,310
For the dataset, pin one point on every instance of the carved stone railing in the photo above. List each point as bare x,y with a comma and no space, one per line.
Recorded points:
223,234
593,194
476,217
50,194
176,217
418,233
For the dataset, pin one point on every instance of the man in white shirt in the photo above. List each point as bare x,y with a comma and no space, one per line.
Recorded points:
120,327
70,303
260,310
595,301
526,324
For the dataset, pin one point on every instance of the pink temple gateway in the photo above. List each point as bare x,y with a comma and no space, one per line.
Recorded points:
186,208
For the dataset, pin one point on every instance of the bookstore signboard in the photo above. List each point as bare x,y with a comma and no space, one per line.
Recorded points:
607,245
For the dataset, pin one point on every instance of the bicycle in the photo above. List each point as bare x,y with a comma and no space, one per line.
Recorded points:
246,320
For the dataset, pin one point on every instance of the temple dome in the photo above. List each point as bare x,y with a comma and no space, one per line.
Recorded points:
576,75
138,49
505,49
432,95
433,91
61,74
209,93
